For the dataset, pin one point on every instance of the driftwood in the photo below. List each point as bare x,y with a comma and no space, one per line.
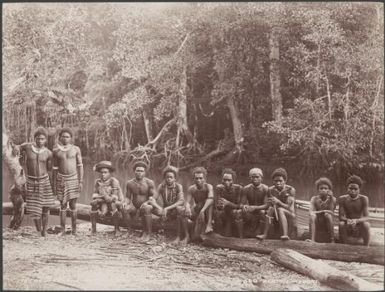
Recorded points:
321,271
327,251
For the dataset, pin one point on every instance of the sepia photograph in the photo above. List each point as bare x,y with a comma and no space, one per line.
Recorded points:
196,146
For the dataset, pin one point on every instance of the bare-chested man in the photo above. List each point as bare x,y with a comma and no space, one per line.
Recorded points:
254,198
199,205
107,196
353,212
67,176
170,194
140,195
322,209
281,200
38,162
228,208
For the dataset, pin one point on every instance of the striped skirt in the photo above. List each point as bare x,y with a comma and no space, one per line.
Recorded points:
67,187
39,195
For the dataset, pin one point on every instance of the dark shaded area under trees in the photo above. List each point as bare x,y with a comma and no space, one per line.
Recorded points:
298,84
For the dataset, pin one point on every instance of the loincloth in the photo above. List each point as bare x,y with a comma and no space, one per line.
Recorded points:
39,195
67,187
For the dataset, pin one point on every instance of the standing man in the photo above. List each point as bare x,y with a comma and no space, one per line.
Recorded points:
67,176
281,200
254,198
38,161
171,195
140,196
353,212
322,209
198,205
228,208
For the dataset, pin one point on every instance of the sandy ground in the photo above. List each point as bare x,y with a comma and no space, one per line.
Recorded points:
106,262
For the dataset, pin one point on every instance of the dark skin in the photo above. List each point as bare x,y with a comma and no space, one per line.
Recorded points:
256,180
322,205
68,162
34,167
198,194
353,211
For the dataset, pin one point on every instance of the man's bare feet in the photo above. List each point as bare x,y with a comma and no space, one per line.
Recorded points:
185,240
208,229
309,240
285,237
176,240
145,237
261,237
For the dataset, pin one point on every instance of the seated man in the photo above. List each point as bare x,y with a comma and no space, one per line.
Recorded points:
322,210
107,196
281,201
254,201
171,195
198,205
228,209
140,192
353,212
17,195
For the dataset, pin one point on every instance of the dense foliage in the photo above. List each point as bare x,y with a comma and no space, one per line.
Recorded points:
300,83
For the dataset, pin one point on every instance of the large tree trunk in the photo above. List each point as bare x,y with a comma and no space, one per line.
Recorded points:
327,251
275,79
237,125
12,161
147,118
321,271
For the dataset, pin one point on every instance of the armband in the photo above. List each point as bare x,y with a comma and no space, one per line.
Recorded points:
80,164
55,167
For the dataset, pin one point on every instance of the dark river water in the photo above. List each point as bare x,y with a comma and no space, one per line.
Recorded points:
304,190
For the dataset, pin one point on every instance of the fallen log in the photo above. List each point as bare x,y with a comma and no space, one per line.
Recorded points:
84,214
321,271
327,251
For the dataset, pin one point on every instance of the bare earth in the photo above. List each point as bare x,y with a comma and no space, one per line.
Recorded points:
103,262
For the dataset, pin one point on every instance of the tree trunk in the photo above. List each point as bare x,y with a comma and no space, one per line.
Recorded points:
84,214
237,125
275,79
321,271
327,251
147,118
12,161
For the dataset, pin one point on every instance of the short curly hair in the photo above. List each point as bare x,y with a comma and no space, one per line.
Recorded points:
355,179
323,181
139,163
66,130
229,171
40,131
171,169
199,169
279,172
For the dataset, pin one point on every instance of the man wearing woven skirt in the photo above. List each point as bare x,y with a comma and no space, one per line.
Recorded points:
67,176
38,161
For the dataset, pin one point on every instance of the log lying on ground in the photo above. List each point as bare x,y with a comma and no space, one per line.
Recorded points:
84,214
327,251
321,271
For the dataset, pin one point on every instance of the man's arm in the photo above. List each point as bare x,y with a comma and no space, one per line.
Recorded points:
116,190
55,169
341,210
365,211
128,198
79,166
49,167
210,198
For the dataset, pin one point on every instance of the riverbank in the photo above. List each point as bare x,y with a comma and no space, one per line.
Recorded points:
124,263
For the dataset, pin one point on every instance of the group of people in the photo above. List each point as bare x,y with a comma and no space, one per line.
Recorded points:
203,209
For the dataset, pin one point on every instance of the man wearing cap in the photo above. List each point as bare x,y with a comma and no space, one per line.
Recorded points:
353,212
107,196
254,198
67,176
140,196
321,210
38,162
281,201
170,194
